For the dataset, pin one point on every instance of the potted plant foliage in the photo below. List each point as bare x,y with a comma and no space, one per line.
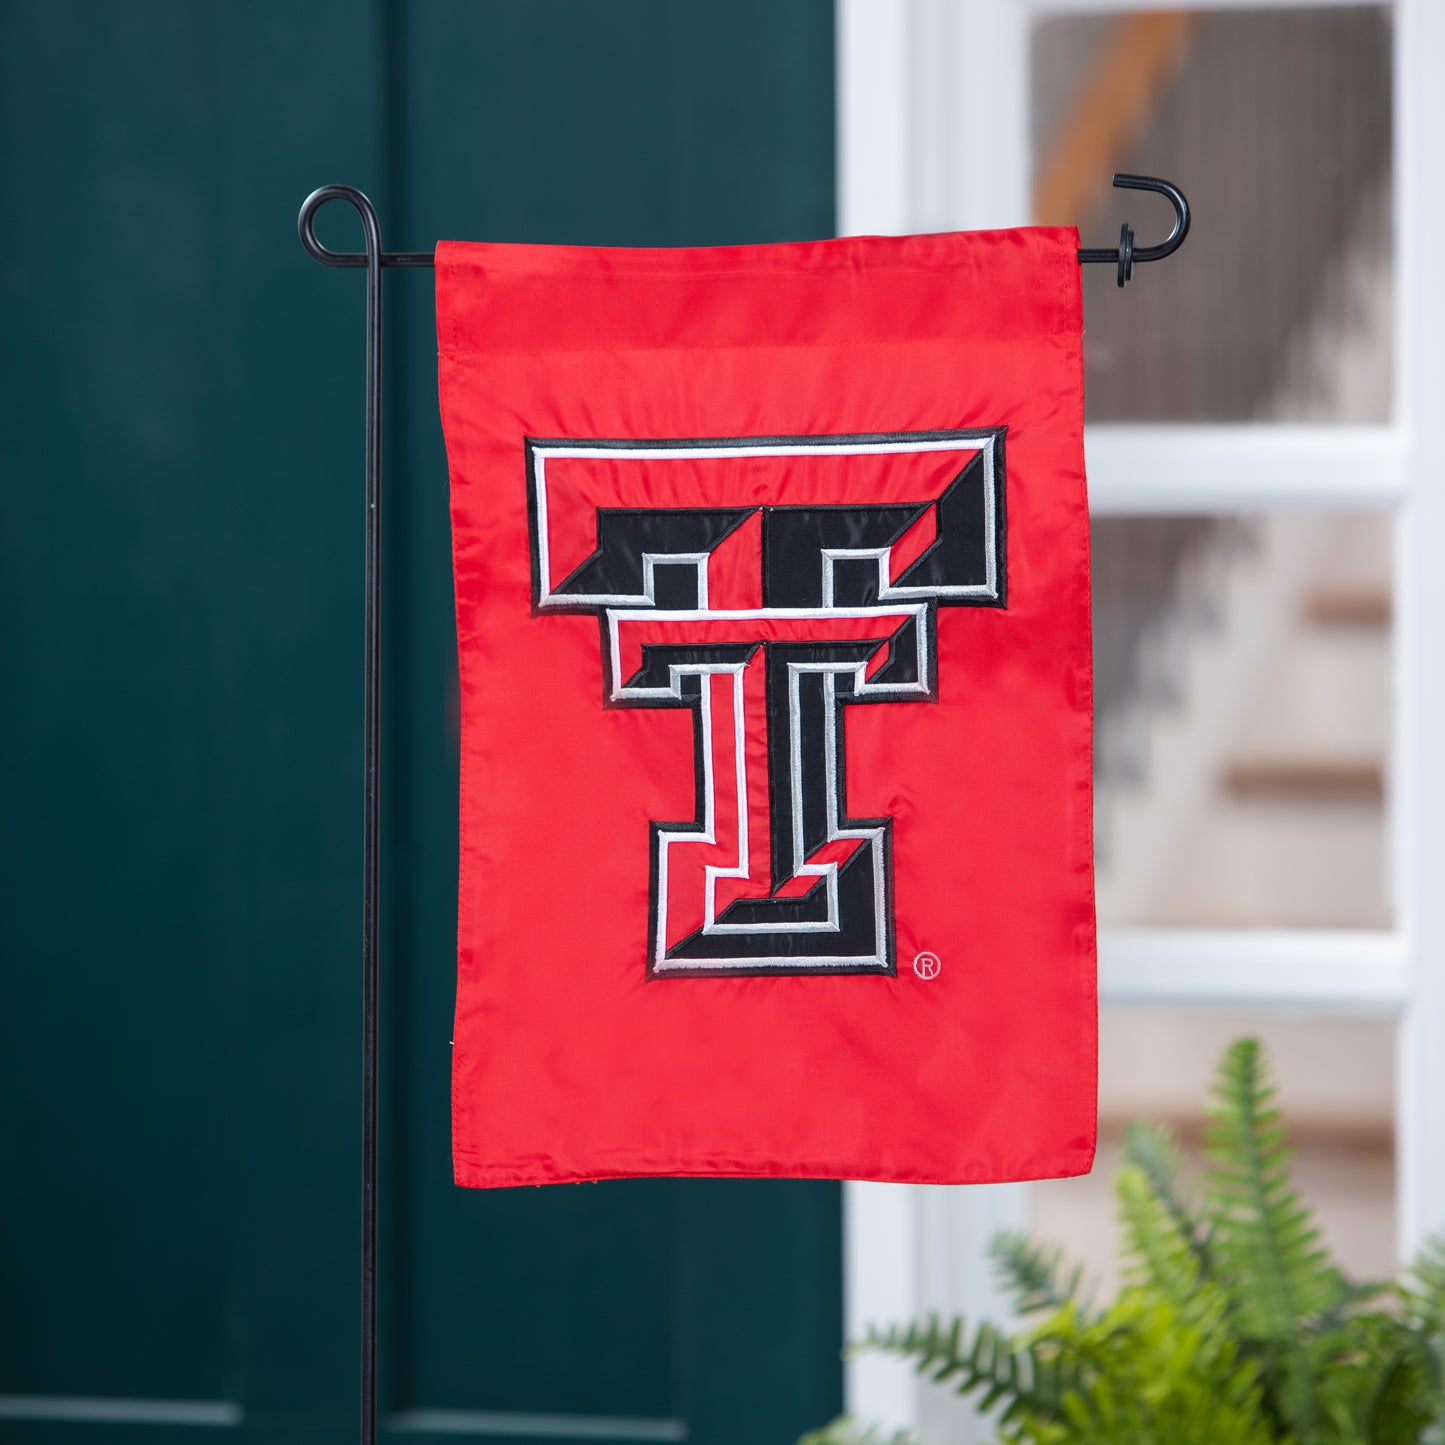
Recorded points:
1233,1326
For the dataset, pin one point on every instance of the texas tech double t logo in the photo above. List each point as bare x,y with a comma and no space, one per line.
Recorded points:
769,584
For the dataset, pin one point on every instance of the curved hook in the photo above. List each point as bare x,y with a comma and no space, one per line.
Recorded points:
1175,239
357,200
1128,253
371,226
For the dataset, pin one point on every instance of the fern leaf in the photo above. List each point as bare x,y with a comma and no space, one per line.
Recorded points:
1020,1373
1422,1301
1346,1309
1161,1255
1266,1244
1034,1274
1422,1292
1399,1408
1266,1239
1154,1150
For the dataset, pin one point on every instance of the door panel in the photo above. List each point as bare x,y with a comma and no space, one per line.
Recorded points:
180,753
180,740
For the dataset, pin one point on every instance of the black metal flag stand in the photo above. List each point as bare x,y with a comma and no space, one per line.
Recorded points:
374,259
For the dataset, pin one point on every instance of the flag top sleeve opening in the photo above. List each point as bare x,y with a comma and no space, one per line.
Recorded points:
772,595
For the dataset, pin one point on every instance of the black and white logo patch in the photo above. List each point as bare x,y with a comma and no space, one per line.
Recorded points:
769,585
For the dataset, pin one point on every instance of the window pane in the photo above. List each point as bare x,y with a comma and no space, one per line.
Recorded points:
1277,125
1338,1120
1243,718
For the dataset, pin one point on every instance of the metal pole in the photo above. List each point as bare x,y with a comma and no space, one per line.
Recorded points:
371,770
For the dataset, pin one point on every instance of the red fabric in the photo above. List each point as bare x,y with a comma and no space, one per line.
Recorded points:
972,1057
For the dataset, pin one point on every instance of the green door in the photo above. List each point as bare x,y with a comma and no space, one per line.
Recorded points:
180,728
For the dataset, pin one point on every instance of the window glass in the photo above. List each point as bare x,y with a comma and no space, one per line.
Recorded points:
1242,719
1277,125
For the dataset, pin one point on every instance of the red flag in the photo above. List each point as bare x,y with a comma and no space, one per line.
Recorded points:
772,587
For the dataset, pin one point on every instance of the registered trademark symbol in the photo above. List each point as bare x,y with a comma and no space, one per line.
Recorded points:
926,965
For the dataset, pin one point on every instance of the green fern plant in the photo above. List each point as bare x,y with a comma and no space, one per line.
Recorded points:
1233,1326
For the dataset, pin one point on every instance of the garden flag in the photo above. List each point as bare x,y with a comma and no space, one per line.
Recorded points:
772,591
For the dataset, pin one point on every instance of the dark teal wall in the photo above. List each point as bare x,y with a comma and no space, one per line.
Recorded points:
180,587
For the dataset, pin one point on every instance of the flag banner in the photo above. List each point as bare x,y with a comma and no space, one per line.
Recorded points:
772,594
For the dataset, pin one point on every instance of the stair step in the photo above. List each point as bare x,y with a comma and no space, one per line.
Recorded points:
1267,861
1307,780
1363,607
1358,555
1329,698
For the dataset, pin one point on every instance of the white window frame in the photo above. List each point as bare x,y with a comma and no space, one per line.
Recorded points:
933,117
